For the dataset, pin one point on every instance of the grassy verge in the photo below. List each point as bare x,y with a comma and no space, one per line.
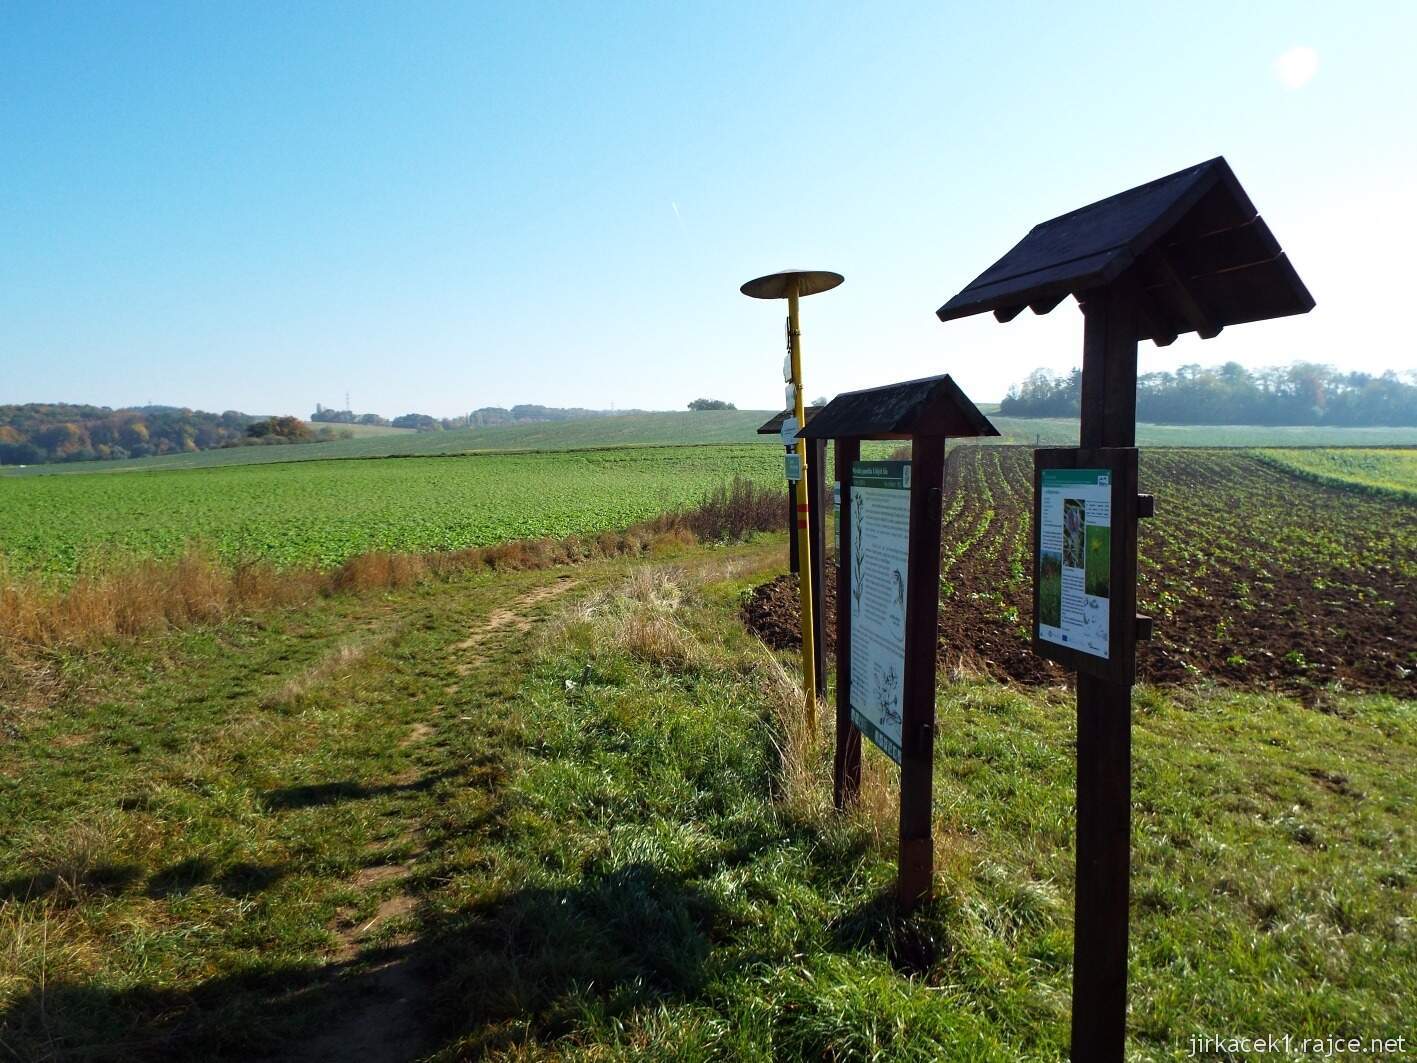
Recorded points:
573,814
1387,473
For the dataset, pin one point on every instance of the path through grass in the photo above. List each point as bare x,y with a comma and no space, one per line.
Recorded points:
568,814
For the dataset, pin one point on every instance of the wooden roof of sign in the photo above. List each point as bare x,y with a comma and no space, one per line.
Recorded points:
773,425
1192,244
932,406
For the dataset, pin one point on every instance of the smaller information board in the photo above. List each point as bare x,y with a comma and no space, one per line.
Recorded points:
880,550
1075,559
794,467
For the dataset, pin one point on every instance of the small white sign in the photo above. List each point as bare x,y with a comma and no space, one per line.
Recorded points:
790,393
787,368
794,467
789,432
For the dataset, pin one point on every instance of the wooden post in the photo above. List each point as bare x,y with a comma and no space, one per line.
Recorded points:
816,532
846,773
917,728
1099,1020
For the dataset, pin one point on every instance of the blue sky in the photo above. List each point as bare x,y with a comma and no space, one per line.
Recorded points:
439,207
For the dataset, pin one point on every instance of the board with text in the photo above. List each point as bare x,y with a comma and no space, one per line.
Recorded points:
880,549
1084,521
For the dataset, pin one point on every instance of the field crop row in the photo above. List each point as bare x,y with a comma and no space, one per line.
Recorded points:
324,512
1255,575
1252,573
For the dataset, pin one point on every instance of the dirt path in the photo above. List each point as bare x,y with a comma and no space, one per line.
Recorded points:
381,1020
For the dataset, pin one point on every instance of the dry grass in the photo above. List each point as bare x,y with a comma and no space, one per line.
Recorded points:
639,617
140,598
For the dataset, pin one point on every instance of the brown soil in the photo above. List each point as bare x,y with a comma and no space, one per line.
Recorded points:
1254,577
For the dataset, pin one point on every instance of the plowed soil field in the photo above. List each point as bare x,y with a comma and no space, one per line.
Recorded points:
1255,577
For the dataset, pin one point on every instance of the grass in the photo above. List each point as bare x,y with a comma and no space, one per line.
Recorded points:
1380,472
522,815
38,617
321,513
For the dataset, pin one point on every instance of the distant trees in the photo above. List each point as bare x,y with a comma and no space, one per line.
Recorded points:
711,404
325,415
39,432
421,421
1298,394
285,429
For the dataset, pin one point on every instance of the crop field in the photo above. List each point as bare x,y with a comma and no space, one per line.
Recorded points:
324,512
1255,576
1391,472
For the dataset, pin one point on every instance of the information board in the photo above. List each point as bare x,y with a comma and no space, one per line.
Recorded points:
1075,559
793,465
880,549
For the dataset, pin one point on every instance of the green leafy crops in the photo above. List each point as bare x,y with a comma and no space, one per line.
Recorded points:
323,512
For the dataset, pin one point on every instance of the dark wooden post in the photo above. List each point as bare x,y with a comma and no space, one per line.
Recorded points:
816,531
917,728
846,774
1104,737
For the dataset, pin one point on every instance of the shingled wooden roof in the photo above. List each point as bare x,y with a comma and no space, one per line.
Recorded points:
1195,248
930,406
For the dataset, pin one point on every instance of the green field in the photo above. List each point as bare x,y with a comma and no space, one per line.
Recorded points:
1391,472
361,431
323,512
1063,432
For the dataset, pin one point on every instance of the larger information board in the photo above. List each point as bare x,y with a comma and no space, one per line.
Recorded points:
880,551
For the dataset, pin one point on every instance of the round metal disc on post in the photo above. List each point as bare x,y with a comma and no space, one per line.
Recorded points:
779,285
792,285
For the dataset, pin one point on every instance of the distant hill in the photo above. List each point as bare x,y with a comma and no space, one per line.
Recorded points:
709,427
617,430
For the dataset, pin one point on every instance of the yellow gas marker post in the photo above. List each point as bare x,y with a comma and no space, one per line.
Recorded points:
790,285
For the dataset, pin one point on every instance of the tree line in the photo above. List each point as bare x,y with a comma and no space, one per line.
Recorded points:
1299,394
37,433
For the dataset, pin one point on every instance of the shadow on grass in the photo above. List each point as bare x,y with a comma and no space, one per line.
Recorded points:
329,793
913,944
102,878
529,965
236,880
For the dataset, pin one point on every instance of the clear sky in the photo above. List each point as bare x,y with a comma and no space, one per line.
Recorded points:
439,207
